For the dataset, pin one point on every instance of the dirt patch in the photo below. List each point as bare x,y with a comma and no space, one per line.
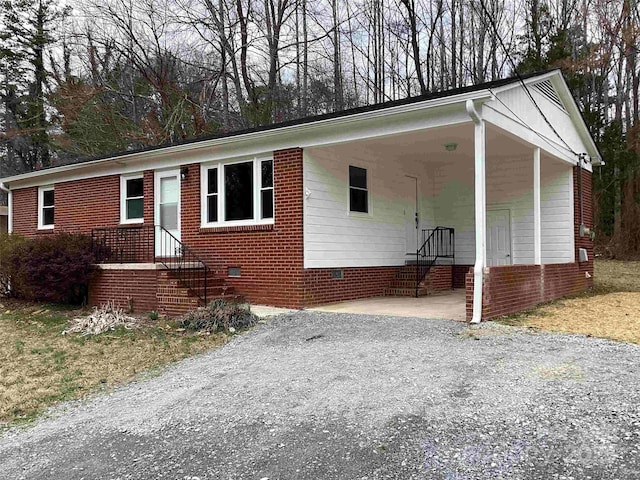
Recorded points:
39,366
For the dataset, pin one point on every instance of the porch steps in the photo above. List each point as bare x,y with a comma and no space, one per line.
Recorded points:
438,278
404,284
175,298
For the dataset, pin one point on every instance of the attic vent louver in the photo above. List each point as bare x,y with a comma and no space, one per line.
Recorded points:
546,88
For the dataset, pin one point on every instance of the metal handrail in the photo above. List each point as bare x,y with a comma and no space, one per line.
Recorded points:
437,243
137,244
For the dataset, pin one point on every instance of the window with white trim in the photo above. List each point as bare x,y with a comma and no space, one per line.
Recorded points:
132,198
237,193
266,189
46,207
358,191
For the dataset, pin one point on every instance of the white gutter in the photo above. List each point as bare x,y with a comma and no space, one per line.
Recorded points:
480,209
4,188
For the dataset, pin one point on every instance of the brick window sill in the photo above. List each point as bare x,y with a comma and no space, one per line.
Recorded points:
237,229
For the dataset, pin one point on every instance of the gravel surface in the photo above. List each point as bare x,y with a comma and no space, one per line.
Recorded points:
336,396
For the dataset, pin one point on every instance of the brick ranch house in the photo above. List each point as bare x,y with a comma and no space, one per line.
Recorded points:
343,206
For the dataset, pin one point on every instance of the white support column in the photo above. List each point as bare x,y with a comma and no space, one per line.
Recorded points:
537,232
480,210
10,208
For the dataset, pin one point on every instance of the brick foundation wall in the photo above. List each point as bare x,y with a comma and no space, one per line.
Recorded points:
320,288
120,285
460,275
270,256
439,278
514,288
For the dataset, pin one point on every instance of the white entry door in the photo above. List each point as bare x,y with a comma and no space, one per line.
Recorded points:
167,212
498,237
411,216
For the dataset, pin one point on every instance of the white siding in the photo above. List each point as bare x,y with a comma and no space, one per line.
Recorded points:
509,186
557,216
334,237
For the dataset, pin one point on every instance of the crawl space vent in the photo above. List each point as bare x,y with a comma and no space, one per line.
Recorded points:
337,274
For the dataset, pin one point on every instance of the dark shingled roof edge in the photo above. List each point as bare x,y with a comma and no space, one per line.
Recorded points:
316,118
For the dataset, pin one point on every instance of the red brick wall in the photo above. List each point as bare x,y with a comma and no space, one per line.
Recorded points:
81,205
584,242
25,211
320,288
439,278
270,257
460,275
120,285
510,289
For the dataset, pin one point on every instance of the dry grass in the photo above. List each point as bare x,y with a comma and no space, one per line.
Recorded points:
39,366
611,310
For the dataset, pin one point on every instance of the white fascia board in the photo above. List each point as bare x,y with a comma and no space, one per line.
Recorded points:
558,82
581,127
515,128
387,121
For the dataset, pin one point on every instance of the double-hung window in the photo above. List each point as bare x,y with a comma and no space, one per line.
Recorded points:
131,199
237,193
46,207
358,191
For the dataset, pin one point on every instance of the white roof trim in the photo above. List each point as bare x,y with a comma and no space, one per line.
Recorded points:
557,80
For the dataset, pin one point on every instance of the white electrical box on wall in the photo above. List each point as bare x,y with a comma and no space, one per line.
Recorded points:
582,255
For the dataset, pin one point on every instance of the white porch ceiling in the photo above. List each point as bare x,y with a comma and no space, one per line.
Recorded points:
429,145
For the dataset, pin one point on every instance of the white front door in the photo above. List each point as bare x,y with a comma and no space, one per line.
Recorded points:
411,216
498,237
167,212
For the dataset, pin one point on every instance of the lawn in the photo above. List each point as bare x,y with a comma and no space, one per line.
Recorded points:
610,310
39,366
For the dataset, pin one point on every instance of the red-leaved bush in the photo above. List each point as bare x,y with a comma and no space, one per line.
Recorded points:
52,268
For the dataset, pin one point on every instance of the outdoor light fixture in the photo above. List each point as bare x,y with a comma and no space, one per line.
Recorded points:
183,173
450,147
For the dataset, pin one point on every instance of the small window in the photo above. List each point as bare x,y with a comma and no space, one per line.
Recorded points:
337,274
358,193
212,195
233,272
132,199
266,189
46,208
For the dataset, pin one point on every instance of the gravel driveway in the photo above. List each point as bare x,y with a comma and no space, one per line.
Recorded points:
327,396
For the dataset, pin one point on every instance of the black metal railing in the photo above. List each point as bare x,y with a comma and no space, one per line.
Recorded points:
437,243
152,244
124,244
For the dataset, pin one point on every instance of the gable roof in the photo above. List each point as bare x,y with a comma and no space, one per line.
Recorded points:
479,91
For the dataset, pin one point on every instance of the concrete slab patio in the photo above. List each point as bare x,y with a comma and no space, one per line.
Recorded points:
448,305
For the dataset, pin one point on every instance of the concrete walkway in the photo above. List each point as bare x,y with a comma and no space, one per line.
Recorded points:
446,305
